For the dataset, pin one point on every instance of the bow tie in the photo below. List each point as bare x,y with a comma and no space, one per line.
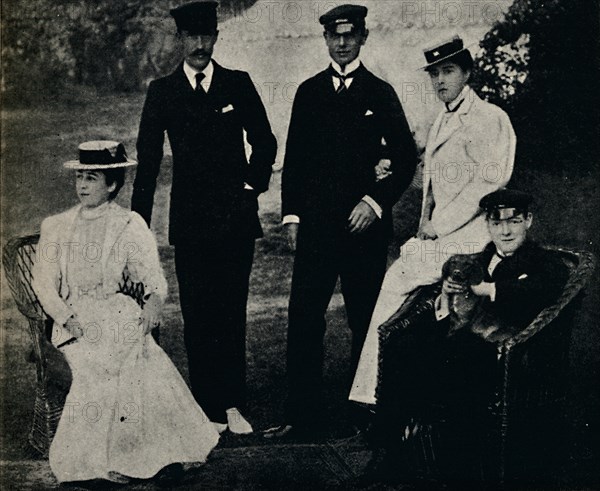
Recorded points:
448,110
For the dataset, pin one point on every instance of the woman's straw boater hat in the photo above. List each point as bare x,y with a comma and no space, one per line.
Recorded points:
445,51
99,155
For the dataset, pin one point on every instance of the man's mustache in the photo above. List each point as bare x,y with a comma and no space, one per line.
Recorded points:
199,52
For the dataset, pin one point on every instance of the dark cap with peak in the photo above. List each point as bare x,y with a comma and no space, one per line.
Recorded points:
505,204
196,17
344,19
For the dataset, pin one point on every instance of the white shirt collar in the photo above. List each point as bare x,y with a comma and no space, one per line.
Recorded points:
464,94
190,74
441,311
496,259
350,67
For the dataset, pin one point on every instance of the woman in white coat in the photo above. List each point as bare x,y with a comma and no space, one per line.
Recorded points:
128,413
469,153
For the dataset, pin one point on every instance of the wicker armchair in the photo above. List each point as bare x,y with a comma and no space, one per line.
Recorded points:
525,434
18,258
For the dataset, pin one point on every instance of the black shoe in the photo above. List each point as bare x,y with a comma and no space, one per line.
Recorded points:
288,432
349,435
278,432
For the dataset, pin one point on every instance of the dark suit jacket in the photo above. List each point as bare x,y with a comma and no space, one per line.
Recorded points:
526,282
335,142
208,201
427,366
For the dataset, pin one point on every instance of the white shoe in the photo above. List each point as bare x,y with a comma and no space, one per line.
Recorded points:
220,427
237,423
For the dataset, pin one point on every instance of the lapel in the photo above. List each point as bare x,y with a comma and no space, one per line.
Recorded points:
485,257
219,93
519,262
429,147
356,87
181,85
216,85
116,220
189,104
69,223
443,133
186,101
325,89
355,93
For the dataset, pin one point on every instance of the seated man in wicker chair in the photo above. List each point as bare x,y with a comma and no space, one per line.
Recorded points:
439,351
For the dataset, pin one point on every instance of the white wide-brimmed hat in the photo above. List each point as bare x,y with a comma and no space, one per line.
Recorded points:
100,154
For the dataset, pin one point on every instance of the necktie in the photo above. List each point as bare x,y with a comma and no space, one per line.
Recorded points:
342,78
448,110
342,87
199,89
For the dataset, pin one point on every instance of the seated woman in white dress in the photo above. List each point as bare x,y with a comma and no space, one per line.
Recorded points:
129,413
469,153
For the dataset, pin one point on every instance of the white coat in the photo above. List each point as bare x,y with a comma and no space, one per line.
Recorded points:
469,153
128,243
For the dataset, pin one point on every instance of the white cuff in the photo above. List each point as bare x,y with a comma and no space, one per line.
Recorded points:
493,292
373,204
291,219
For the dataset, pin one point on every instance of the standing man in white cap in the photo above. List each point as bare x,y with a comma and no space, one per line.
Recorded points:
470,152
336,213
205,109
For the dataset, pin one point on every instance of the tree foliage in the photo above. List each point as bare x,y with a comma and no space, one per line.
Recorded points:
541,64
106,44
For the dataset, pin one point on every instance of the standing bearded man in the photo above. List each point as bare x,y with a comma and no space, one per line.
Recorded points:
205,109
336,213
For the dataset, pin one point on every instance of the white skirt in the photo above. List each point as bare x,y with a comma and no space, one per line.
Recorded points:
420,263
128,412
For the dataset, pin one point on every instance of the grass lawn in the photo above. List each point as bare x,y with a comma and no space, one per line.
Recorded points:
34,185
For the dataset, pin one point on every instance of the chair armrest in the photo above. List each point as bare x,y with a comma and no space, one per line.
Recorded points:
18,256
579,276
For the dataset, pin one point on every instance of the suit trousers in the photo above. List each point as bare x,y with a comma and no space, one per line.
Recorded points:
213,292
359,262
435,376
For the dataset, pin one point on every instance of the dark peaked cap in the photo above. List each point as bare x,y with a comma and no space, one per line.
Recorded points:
196,17
344,14
505,203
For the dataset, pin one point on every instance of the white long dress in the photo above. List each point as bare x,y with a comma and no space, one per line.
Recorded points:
128,412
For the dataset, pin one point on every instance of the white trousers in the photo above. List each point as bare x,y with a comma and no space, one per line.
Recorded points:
420,263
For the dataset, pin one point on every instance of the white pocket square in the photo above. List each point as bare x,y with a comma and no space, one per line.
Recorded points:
227,108
523,276
369,113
